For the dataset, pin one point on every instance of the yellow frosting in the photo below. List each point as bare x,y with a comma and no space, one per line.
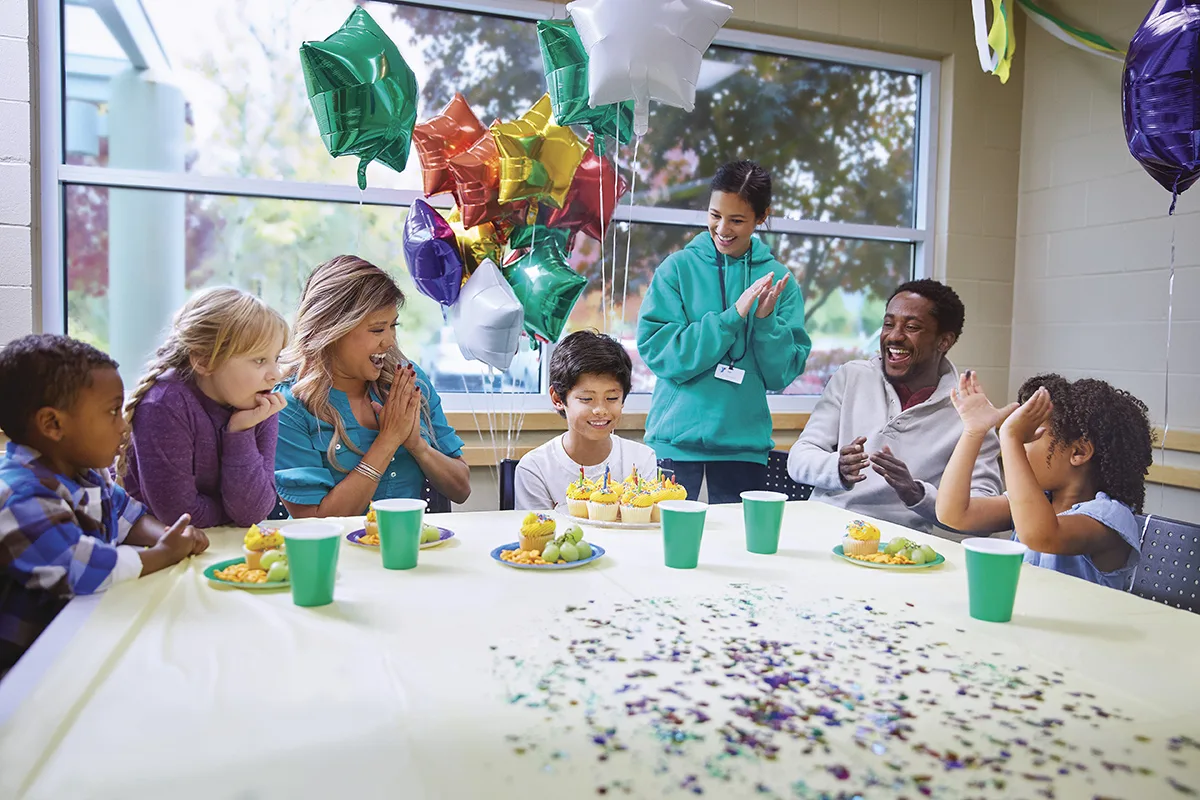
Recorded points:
639,500
536,525
580,490
862,531
601,496
371,514
672,491
258,539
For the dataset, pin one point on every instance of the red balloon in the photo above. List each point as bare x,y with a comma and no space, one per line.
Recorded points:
439,139
477,185
582,211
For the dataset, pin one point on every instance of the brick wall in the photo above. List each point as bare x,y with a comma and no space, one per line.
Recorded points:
16,176
1093,239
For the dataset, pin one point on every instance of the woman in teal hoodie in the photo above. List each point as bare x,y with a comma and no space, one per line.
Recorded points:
718,331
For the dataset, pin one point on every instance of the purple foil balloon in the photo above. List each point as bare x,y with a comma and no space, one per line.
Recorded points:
432,253
1160,95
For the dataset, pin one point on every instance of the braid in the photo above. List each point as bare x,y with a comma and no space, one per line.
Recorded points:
170,355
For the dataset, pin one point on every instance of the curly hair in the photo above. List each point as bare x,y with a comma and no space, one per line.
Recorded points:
43,370
948,307
1113,420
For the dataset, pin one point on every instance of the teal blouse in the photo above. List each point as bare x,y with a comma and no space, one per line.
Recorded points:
303,472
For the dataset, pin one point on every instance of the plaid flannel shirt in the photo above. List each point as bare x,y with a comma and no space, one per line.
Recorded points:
59,538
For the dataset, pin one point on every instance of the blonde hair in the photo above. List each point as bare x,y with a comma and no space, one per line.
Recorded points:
338,296
214,326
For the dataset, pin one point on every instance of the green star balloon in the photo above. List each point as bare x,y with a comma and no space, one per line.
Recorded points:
547,288
363,94
565,63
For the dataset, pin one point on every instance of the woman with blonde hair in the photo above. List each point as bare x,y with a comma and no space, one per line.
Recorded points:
363,422
202,419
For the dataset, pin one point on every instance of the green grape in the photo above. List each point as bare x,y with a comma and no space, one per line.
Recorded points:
583,549
551,553
430,533
277,572
930,553
568,552
574,534
917,556
894,546
270,557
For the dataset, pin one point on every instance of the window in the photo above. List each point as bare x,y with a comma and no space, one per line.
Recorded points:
190,158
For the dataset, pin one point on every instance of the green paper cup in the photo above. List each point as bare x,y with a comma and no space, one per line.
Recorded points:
993,567
399,531
682,526
312,554
763,515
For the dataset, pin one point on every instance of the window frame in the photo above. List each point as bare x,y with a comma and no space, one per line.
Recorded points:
55,175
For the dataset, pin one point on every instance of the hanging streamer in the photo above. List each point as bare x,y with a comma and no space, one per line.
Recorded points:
998,44
1069,34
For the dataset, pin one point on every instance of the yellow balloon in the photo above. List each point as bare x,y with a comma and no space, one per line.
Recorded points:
538,159
476,244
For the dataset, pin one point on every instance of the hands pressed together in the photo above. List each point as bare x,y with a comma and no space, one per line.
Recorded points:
765,292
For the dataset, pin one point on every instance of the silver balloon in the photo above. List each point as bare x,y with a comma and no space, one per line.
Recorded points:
488,318
655,58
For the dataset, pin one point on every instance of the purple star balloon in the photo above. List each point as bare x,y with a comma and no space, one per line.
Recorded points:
1160,95
432,253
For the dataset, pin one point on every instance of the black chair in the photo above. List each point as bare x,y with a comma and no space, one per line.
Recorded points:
435,501
280,511
778,479
508,484
1170,568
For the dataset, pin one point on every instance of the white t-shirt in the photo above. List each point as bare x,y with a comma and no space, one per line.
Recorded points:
544,474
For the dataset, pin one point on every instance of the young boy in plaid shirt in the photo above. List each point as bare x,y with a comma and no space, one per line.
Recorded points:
65,528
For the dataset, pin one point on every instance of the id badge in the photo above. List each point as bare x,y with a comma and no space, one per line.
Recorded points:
731,374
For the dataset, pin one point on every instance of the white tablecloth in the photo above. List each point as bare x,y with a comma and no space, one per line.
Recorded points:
465,678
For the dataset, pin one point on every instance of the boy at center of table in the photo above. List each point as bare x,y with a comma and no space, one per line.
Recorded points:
590,377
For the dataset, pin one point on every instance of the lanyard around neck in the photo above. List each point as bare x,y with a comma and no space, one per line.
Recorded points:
729,357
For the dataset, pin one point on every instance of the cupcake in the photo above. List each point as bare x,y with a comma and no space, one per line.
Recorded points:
259,541
637,506
537,531
577,496
670,491
371,526
862,539
603,505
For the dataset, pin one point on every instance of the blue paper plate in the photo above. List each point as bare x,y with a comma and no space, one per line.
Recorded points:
355,537
837,551
597,552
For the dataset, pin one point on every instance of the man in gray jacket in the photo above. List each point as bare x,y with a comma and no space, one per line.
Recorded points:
883,431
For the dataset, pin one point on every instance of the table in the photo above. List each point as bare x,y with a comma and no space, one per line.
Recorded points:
465,678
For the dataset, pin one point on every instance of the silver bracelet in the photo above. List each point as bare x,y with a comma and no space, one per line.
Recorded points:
363,468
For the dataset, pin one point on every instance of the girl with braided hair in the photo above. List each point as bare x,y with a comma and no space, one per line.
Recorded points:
202,419
1075,461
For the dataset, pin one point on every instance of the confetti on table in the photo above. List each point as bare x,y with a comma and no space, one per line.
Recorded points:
753,694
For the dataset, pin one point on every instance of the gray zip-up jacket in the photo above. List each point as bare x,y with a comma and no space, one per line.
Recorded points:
860,401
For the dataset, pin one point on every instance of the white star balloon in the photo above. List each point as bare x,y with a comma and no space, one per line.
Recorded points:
646,50
488,318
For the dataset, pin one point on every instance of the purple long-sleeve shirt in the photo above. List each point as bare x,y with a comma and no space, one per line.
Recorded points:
183,460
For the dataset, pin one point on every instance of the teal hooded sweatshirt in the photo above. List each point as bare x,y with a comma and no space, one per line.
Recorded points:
684,333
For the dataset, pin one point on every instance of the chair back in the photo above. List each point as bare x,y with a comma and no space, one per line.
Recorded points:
435,501
778,479
1170,568
508,484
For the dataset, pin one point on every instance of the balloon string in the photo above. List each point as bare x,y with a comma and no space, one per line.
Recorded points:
629,239
1162,445
603,233
361,214
612,306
